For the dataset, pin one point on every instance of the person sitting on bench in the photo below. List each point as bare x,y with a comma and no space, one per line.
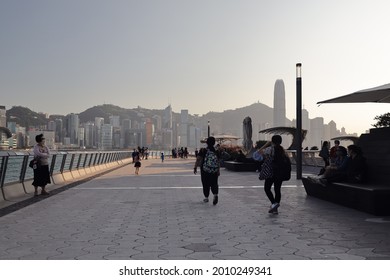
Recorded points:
356,169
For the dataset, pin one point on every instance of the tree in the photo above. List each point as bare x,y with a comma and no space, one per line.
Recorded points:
382,120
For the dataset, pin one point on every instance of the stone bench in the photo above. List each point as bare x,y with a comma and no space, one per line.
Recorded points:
370,198
241,166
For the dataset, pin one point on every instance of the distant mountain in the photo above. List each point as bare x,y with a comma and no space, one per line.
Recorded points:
230,121
25,117
226,122
105,111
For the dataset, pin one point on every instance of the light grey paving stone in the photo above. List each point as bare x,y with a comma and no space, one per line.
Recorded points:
201,256
114,219
366,253
345,257
230,257
149,255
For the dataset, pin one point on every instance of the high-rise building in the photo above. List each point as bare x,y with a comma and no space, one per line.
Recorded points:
99,122
51,126
116,137
126,126
194,137
157,122
167,119
333,129
317,131
183,129
81,137
89,135
149,129
279,104
306,126
59,135
3,116
106,136
115,121
72,128
12,126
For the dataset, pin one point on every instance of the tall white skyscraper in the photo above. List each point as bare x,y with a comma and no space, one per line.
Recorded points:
279,104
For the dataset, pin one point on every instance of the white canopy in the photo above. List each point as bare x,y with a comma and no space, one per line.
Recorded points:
379,94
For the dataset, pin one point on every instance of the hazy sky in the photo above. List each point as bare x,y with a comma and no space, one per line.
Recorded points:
64,56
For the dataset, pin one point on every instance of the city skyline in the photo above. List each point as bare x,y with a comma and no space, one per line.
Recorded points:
66,56
144,127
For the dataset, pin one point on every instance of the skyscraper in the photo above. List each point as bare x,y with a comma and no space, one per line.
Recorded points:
279,104
280,109
59,135
3,117
183,128
167,120
72,128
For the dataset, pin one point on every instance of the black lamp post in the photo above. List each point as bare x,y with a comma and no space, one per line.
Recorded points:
299,121
208,129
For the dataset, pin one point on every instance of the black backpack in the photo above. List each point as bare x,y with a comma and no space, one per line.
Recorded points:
282,168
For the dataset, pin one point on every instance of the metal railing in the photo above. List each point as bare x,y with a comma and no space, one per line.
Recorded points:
14,165
309,158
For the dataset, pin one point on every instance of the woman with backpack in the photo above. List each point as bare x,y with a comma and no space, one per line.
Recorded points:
280,170
208,160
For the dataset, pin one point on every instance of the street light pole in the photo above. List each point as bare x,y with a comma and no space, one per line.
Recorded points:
208,129
299,121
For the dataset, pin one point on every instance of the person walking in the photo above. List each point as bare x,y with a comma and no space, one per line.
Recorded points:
280,171
41,170
137,164
208,160
162,156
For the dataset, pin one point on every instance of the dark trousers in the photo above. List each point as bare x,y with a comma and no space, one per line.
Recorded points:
326,161
209,180
277,187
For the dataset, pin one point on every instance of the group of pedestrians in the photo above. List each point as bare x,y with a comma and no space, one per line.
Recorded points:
180,152
208,159
341,164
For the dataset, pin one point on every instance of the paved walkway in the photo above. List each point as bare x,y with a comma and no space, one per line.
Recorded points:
159,214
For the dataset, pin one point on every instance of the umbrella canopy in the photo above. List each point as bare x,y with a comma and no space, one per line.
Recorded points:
222,138
379,94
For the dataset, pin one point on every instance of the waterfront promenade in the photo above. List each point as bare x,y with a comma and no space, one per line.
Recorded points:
159,215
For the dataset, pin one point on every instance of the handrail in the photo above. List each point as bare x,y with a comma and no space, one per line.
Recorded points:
61,162
309,158
14,165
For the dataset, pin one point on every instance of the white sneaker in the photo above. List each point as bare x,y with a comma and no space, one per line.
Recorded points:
274,208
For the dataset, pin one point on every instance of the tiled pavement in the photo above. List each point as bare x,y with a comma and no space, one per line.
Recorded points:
159,214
